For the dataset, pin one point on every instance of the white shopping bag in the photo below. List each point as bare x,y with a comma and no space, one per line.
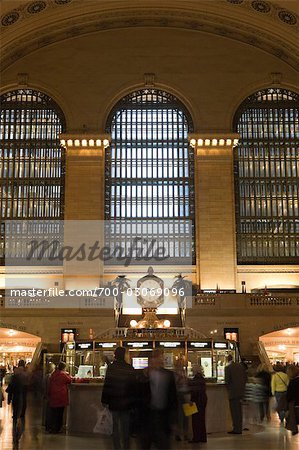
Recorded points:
104,422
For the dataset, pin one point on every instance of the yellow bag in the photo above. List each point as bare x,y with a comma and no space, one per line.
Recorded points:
190,408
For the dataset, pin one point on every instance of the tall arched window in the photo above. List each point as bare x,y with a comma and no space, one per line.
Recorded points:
267,178
150,169
32,163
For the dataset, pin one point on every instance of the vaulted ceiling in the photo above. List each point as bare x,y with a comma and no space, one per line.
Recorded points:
270,25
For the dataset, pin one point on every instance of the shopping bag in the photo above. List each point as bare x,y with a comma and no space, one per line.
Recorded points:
104,422
190,408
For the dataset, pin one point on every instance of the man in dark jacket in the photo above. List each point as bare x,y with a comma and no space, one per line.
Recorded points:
17,396
235,378
118,394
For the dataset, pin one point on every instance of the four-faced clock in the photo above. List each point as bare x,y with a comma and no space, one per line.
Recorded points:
150,291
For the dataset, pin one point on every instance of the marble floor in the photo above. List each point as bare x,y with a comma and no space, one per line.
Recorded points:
269,437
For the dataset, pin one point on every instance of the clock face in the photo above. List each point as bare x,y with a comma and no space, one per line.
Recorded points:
150,292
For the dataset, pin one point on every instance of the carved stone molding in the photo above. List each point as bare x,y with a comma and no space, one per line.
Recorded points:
170,18
213,140
268,270
81,141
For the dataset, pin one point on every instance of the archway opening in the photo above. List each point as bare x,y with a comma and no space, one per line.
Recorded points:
16,345
282,345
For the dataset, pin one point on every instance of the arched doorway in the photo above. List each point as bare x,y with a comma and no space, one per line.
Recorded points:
16,345
282,345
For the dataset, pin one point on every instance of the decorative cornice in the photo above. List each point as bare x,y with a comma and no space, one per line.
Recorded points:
29,9
268,270
213,140
150,17
84,141
270,10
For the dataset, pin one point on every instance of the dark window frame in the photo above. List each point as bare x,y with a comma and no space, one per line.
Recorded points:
171,114
32,161
266,169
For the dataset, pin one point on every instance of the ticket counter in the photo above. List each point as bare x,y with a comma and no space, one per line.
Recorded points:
211,355
86,391
85,406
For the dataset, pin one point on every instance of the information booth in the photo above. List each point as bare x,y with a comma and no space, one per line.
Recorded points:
147,325
93,357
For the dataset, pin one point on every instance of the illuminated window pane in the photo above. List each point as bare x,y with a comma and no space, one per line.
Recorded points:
32,163
267,178
150,166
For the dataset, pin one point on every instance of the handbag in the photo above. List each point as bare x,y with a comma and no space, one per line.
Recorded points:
190,409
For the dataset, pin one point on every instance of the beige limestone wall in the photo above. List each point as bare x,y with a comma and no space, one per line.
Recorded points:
252,324
215,223
84,184
86,75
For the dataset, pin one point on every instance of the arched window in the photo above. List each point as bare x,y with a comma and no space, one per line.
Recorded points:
267,178
150,170
32,163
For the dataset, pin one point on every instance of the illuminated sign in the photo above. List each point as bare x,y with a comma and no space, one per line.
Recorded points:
231,334
68,335
105,344
220,345
199,345
138,344
84,346
170,344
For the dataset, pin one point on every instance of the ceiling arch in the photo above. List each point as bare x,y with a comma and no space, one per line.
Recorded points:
33,25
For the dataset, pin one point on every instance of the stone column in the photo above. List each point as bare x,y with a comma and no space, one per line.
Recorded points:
85,176
84,207
215,210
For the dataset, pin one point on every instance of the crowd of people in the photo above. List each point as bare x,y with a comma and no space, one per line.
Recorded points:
150,404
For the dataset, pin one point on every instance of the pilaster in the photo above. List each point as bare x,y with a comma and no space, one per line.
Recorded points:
215,212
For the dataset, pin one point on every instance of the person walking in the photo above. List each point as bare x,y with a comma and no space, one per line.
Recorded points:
163,401
46,407
293,399
118,394
235,379
279,386
17,396
199,397
58,397
183,396
263,376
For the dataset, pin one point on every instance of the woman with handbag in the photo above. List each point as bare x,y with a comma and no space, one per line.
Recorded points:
279,386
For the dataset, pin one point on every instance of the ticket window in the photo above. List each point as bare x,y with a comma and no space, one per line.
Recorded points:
138,353
84,355
200,354
103,356
221,352
172,351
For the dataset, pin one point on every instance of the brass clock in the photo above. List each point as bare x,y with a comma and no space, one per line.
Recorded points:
150,290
